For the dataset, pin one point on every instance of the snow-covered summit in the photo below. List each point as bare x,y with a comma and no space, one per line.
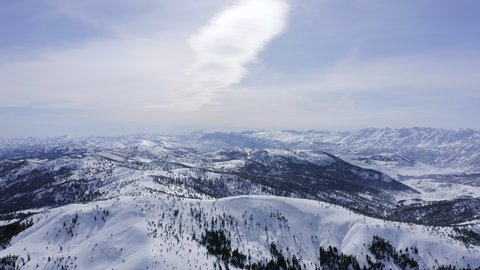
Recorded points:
156,231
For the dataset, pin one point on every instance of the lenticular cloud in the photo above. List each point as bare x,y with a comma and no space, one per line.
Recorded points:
232,39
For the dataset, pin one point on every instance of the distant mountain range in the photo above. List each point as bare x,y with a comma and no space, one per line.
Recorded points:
458,149
443,148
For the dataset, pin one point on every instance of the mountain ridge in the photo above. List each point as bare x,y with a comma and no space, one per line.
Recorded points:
274,198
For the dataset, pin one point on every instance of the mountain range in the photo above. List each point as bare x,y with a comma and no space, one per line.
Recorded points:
373,198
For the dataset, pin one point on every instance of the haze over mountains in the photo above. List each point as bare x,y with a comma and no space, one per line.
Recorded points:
69,202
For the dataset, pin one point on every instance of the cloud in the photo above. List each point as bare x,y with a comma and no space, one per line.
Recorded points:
134,56
222,49
113,74
148,65
432,73
428,72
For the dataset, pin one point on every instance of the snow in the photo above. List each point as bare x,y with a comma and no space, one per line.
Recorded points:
433,190
143,231
455,148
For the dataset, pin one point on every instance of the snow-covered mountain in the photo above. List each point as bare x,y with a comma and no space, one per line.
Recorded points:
403,154
107,173
241,200
444,148
157,231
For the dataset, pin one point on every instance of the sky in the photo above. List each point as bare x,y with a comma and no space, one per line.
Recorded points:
111,67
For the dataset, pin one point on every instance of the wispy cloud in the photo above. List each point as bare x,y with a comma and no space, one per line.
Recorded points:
222,49
425,72
435,72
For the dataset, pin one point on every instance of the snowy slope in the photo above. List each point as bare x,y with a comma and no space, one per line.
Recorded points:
434,190
155,231
29,182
